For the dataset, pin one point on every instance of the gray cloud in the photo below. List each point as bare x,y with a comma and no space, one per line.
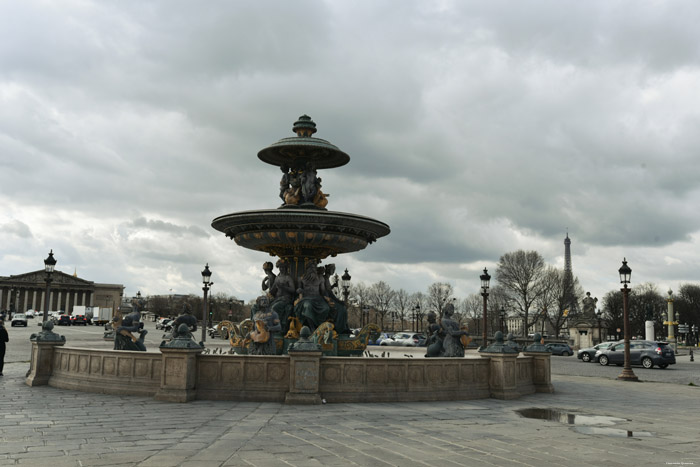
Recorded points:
474,129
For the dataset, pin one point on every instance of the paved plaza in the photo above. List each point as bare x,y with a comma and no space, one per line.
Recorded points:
41,426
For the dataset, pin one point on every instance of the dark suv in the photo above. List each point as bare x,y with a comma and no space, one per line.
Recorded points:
645,353
78,319
63,320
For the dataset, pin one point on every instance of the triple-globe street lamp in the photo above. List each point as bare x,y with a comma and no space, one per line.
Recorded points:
625,276
49,266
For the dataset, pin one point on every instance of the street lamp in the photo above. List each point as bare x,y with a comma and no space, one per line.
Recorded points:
49,266
206,276
502,314
599,314
625,275
416,316
485,278
345,286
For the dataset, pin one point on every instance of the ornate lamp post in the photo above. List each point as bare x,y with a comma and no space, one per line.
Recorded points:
49,265
345,286
206,276
502,314
485,278
599,314
416,316
625,275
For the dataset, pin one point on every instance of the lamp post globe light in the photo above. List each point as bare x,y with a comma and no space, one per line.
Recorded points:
485,279
206,277
625,276
49,266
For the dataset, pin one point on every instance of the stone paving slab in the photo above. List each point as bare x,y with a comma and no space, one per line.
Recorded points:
42,426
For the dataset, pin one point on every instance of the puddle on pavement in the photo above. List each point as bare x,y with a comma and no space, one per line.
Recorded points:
584,424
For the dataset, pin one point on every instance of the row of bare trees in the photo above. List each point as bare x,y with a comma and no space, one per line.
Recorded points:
645,301
524,287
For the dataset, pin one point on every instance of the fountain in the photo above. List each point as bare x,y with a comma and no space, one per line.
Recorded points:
301,367
302,231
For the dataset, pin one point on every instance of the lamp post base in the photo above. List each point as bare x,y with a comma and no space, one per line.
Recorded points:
627,375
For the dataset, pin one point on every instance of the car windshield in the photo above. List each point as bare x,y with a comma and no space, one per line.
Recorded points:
20,315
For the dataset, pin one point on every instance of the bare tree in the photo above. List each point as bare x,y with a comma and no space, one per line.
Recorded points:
401,305
381,296
547,302
439,293
471,309
688,304
359,293
520,274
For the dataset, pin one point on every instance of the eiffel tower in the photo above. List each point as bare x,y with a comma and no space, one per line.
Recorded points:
570,302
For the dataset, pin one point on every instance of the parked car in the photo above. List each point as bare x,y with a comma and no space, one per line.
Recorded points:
377,339
558,348
404,339
63,320
162,323
645,353
588,353
19,319
79,319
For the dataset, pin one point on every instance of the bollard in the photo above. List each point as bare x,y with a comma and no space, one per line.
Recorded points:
691,355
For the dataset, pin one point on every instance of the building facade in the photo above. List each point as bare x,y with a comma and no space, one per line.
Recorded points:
28,291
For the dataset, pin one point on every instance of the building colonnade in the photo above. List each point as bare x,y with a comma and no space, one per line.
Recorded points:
28,297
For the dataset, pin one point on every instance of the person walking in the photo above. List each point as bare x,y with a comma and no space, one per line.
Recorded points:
3,338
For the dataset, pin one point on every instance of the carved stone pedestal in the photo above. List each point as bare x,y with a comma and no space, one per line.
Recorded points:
304,377
41,366
178,375
541,371
503,381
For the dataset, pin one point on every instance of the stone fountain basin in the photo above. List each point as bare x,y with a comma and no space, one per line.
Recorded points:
278,231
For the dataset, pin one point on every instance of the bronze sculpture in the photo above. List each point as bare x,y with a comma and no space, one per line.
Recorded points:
282,293
311,307
452,343
261,339
125,328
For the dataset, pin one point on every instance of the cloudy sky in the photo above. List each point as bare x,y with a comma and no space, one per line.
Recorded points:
474,129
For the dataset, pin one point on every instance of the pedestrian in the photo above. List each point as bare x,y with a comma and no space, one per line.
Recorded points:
3,338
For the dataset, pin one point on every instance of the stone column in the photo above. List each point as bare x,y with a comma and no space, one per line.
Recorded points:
541,371
26,301
34,299
178,374
503,381
58,299
304,377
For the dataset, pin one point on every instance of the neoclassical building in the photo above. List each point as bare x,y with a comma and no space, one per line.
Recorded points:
28,291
